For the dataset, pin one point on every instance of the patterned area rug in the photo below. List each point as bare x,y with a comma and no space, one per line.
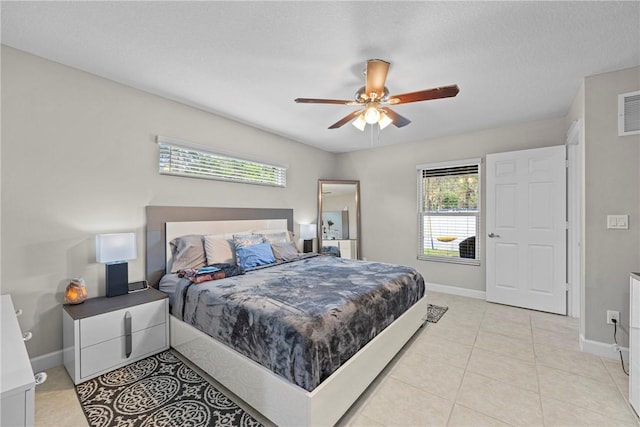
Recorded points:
435,312
158,391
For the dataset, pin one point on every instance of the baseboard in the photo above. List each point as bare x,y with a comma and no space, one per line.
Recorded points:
46,361
602,349
454,290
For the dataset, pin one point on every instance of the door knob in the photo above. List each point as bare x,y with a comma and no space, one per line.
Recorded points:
492,235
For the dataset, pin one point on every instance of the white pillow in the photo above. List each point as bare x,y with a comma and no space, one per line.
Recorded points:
219,249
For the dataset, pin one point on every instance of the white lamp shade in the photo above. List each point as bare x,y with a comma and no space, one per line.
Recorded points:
115,247
359,123
307,231
384,120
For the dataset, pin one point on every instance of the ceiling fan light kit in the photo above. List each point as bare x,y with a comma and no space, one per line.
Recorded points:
371,115
359,123
374,94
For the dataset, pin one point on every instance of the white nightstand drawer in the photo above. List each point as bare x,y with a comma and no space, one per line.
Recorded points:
109,354
107,326
94,335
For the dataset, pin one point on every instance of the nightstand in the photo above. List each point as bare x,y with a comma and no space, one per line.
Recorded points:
103,334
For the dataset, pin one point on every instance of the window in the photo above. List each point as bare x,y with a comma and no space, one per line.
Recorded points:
181,160
449,211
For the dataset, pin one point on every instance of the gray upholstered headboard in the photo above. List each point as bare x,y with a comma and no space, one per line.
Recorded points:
158,216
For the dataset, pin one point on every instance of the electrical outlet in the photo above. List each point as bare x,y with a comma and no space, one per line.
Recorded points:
612,314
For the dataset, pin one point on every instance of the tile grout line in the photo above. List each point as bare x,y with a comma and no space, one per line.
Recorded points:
455,402
535,361
626,401
578,375
464,373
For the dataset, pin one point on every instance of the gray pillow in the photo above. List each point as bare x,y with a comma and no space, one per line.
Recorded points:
285,251
187,252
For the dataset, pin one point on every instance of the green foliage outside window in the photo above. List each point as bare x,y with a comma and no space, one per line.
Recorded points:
182,161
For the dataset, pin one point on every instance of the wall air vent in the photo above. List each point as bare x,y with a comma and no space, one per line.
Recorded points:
629,113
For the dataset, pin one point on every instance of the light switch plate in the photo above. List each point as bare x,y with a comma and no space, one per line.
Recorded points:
619,222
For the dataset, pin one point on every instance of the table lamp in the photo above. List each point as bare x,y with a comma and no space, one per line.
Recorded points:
114,250
307,234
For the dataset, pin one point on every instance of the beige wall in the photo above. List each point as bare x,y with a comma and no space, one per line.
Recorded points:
78,159
389,192
612,180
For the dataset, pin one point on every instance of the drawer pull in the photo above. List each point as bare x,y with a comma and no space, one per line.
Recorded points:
27,336
127,334
40,377
19,312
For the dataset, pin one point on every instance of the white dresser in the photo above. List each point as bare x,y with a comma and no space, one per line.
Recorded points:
16,377
103,334
348,248
634,342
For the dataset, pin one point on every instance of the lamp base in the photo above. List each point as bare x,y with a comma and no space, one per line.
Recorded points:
117,279
307,246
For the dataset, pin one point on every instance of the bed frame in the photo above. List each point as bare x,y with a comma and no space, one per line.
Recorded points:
278,400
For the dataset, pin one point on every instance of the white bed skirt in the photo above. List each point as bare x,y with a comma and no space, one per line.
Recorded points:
286,404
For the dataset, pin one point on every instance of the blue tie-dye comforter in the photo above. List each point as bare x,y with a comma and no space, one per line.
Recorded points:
302,320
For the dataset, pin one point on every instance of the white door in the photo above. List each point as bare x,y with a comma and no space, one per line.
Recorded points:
526,229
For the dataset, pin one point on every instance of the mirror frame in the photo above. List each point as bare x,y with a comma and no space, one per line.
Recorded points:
319,219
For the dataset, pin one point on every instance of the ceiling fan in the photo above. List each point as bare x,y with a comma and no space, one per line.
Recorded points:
372,98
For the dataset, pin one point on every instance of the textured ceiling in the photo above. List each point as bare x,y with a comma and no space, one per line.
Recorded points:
513,61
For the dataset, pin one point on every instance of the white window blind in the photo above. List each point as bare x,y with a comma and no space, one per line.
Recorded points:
449,212
629,113
190,162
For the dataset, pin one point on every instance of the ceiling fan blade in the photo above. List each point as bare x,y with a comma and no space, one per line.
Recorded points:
397,120
424,95
346,119
376,76
324,101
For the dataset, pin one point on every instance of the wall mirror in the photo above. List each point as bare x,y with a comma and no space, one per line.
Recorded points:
339,218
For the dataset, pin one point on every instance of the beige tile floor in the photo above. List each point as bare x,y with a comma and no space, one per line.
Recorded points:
482,365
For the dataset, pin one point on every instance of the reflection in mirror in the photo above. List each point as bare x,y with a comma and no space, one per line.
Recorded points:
339,218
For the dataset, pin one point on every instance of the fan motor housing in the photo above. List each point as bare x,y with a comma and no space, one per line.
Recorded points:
361,96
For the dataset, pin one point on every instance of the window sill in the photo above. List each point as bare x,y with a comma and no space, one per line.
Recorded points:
450,260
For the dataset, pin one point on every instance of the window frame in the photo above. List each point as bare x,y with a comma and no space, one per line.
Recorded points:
164,143
421,214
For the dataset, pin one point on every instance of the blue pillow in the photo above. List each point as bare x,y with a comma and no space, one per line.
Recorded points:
255,255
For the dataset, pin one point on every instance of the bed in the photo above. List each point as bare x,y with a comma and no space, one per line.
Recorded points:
282,391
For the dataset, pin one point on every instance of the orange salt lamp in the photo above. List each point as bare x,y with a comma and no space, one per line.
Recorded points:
76,292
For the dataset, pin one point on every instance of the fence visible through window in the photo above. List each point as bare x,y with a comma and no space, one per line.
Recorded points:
449,200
